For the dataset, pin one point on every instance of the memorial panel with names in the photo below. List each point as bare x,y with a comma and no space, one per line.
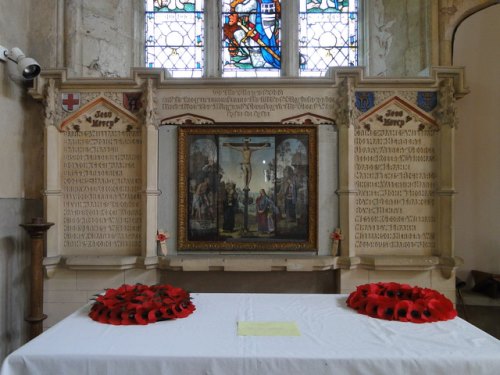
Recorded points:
395,177
101,182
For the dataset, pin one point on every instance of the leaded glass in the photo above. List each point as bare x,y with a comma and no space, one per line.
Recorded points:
328,35
174,36
251,38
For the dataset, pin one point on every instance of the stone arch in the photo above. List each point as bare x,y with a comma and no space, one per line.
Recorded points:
451,15
466,15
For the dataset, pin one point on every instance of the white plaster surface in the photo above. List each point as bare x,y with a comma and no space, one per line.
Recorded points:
477,163
167,201
328,166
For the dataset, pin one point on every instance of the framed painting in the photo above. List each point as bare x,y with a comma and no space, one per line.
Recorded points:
247,188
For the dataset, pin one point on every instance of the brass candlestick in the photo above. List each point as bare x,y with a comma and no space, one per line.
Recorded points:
36,229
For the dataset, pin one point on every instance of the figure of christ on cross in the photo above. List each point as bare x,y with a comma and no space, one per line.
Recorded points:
246,148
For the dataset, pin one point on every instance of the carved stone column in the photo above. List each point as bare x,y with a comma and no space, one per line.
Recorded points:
447,117
347,189
150,174
36,229
53,196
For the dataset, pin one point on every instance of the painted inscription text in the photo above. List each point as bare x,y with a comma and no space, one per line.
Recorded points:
101,183
241,104
395,178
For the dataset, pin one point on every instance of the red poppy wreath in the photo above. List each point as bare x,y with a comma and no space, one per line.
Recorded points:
393,301
141,304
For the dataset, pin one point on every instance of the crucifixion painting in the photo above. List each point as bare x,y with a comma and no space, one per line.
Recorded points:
247,149
247,188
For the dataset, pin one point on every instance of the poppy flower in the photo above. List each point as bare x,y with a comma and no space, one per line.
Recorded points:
392,290
96,311
183,309
402,310
336,236
405,291
385,308
127,318
115,317
152,315
356,300
440,309
367,289
372,303
103,316
167,312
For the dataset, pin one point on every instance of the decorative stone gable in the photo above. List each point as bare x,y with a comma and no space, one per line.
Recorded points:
396,113
100,114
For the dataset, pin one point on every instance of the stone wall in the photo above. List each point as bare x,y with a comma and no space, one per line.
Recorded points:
22,179
103,38
397,37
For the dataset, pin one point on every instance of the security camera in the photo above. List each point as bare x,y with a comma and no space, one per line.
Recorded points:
27,67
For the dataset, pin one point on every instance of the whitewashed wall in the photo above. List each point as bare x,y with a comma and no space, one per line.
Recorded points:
477,166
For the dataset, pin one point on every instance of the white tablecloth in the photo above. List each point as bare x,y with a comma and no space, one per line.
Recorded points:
334,340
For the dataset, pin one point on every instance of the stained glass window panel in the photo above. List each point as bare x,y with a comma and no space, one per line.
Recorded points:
328,35
251,38
174,36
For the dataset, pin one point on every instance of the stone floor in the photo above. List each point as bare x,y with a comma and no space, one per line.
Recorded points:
481,311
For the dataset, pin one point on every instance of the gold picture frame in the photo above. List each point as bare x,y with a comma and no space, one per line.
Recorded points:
247,188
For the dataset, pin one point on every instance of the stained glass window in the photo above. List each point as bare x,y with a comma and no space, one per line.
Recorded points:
251,38
328,35
175,36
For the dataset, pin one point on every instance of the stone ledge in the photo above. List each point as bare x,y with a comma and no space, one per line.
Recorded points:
96,262
254,263
228,263
234,263
400,263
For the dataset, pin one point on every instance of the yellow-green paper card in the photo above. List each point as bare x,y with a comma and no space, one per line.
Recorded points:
268,329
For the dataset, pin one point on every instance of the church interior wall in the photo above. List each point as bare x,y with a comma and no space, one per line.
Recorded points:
19,192
397,37
103,39
477,163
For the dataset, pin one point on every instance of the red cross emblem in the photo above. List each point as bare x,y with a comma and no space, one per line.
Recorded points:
70,101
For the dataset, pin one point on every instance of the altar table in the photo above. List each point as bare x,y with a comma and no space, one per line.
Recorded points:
333,340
